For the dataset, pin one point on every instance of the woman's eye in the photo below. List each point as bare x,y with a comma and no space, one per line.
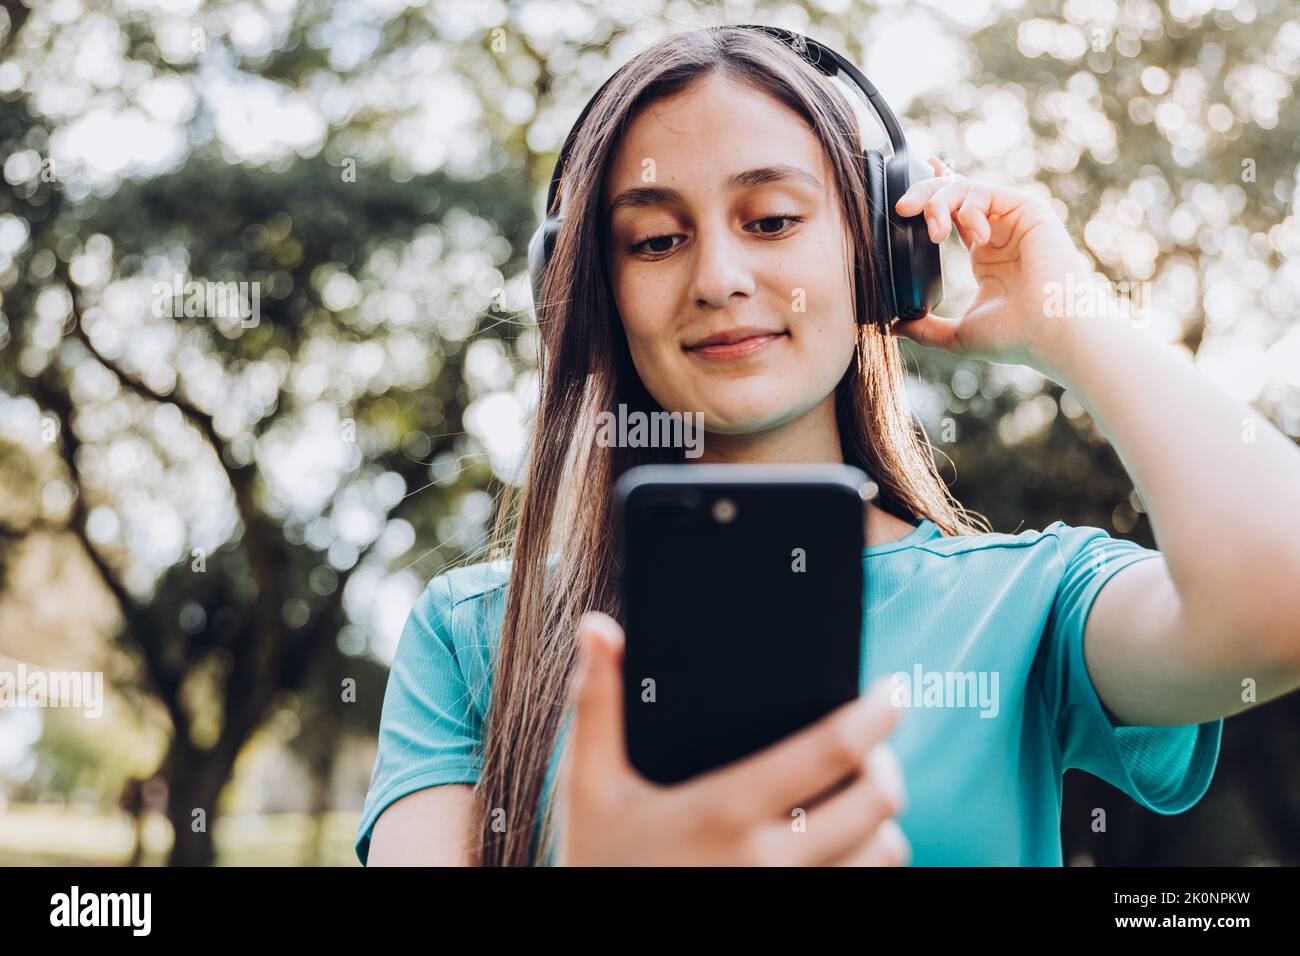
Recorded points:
774,225
657,245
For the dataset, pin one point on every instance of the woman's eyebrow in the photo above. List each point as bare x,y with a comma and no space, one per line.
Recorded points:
771,174
643,196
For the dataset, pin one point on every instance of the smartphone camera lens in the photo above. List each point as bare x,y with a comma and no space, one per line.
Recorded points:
724,511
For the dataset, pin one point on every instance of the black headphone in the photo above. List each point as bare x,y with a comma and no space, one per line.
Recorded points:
911,281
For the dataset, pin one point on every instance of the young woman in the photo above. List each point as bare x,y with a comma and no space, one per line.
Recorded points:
678,294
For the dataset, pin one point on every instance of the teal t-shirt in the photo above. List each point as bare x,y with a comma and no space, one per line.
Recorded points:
982,637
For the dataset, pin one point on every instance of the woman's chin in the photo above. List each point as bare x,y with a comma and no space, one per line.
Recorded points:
748,418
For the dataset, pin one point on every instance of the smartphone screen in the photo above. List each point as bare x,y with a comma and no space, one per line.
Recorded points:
742,589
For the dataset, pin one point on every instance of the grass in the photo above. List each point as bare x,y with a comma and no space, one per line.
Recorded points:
34,835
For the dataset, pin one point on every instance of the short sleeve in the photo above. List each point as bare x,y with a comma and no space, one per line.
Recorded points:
1165,769
429,729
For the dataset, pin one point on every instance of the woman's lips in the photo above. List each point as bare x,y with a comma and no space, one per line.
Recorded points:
742,348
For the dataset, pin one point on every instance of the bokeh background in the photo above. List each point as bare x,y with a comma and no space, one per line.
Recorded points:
231,519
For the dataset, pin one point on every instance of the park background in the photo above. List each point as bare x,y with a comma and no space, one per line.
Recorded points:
231,520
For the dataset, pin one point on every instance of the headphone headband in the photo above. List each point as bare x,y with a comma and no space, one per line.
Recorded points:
829,63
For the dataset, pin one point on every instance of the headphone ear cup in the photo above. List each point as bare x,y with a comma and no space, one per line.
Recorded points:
877,211
915,271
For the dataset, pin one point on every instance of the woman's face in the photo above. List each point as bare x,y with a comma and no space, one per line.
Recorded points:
723,221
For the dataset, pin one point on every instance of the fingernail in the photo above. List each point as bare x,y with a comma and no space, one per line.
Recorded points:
899,838
608,632
884,768
596,629
881,697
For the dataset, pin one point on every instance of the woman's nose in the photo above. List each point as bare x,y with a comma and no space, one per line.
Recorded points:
722,268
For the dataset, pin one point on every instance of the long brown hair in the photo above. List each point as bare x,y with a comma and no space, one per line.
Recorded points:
560,534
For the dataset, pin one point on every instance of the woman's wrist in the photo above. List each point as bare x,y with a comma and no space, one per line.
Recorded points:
1092,328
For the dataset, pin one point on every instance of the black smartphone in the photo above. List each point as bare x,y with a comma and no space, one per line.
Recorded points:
742,590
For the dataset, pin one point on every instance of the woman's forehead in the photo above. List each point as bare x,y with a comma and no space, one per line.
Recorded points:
707,133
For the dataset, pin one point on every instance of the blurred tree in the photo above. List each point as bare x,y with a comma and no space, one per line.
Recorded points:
325,444
221,636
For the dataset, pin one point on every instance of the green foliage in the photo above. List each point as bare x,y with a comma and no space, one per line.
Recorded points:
377,254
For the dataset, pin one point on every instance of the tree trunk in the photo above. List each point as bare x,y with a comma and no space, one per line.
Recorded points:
314,848
195,779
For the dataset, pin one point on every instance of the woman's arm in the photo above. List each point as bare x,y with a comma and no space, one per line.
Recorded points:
430,827
1175,639
1167,641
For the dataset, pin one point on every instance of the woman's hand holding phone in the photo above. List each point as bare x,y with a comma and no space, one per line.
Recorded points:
838,770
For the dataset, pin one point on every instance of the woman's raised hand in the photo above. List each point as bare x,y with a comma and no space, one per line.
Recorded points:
1021,255
837,771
